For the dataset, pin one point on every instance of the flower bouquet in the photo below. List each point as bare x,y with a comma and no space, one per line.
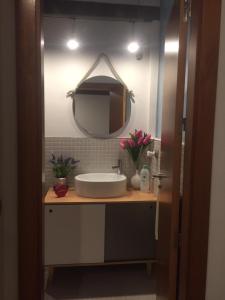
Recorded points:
135,145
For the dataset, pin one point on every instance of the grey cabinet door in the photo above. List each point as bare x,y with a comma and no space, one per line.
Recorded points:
129,232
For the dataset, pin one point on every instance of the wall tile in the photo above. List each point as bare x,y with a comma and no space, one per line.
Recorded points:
95,155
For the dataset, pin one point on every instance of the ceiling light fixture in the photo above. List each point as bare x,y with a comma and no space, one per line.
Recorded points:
133,47
72,43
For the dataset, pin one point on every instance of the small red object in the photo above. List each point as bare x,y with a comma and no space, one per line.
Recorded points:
60,189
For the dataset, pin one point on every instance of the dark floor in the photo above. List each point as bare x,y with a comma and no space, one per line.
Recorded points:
101,282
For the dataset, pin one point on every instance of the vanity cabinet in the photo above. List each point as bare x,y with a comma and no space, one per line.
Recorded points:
129,232
82,230
74,234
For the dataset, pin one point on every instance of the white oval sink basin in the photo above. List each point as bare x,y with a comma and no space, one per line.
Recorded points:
100,185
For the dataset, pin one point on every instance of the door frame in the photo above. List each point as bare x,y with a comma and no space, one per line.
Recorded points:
30,107
203,62
202,91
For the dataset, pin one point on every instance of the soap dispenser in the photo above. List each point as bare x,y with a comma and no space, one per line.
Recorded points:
145,179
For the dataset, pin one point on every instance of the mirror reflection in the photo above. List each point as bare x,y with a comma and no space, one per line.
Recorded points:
101,106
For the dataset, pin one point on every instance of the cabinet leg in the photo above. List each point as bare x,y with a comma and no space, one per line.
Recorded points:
49,271
149,269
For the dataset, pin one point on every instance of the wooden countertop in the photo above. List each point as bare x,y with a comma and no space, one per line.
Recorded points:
71,197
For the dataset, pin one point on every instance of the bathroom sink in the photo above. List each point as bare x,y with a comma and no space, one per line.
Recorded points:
100,185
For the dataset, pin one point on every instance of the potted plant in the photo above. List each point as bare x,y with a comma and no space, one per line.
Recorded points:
135,145
61,168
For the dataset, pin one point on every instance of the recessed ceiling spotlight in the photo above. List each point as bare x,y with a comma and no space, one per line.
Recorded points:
133,47
72,44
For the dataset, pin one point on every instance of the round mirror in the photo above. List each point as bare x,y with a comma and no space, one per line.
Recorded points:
101,107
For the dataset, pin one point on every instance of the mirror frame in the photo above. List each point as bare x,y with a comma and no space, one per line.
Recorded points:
102,136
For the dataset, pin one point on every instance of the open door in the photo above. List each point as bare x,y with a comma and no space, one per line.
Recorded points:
171,149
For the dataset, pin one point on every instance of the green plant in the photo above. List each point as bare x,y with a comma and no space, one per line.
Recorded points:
62,167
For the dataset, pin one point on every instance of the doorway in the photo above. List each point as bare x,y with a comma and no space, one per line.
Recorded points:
35,192
100,54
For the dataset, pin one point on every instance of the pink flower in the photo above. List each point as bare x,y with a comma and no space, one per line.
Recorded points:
140,141
123,144
131,143
138,133
147,139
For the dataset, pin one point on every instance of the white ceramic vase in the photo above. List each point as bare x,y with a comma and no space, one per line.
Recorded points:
136,181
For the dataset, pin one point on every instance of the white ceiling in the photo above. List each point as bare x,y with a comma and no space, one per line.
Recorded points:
134,2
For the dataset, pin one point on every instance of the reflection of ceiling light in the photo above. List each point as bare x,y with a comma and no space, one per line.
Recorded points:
133,47
72,44
172,47
42,42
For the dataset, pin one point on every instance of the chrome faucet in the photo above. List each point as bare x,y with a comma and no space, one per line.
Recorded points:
118,167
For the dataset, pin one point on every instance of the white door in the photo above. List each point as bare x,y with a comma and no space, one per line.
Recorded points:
74,234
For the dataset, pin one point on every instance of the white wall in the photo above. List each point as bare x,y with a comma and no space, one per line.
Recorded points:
216,257
165,11
8,155
63,69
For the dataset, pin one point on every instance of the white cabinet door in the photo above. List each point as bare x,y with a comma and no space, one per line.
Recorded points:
74,234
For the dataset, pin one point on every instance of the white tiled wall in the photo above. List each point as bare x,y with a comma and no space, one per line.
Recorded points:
95,155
